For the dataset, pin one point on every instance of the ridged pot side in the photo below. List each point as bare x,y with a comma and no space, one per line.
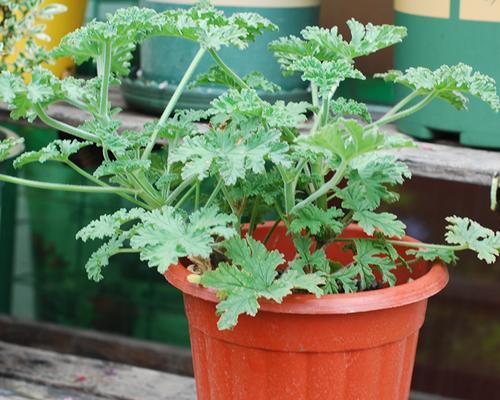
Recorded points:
347,346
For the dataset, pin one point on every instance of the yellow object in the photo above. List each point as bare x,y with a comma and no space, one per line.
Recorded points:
57,28
61,25
426,8
473,10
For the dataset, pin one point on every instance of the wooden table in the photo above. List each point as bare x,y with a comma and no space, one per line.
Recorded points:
28,373
447,161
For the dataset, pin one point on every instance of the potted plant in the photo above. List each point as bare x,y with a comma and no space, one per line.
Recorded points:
326,301
158,77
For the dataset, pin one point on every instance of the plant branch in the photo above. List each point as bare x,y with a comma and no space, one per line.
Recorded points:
106,73
61,126
64,187
415,245
173,101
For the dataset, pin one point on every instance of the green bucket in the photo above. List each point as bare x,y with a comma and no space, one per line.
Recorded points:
164,60
7,223
132,299
448,32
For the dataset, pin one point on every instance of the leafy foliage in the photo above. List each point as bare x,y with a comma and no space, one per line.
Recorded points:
253,275
165,235
194,177
448,83
8,145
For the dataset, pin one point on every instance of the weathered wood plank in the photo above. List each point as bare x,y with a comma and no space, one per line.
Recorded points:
432,160
96,345
13,389
89,376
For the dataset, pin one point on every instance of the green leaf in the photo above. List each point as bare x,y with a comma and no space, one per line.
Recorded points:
8,147
100,258
121,167
345,280
342,107
386,223
449,83
326,75
208,26
446,255
468,233
328,45
316,220
217,76
166,235
230,153
348,139
109,225
253,275
370,254
58,150
122,30
314,261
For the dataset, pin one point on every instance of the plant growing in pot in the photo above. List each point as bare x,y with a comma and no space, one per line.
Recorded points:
324,301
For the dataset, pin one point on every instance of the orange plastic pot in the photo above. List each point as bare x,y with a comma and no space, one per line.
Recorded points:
338,347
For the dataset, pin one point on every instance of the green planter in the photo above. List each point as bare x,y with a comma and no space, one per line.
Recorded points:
7,225
132,300
449,32
164,60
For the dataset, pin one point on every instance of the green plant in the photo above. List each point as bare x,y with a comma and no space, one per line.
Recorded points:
249,161
19,24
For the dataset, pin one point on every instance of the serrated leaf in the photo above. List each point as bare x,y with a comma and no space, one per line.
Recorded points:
100,258
369,254
8,147
166,235
342,107
468,233
230,153
316,220
446,255
449,83
253,275
109,225
58,150
386,223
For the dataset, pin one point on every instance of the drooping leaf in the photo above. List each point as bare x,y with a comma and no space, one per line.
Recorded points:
386,223
449,83
342,107
58,150
446,255
471,235
8,146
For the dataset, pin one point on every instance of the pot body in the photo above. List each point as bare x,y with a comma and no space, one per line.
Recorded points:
165,59
348,346
449,32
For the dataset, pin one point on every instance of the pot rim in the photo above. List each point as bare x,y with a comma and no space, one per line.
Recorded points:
346,303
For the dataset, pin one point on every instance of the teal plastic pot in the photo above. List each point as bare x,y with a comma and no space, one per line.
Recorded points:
164,60
7,225
449,32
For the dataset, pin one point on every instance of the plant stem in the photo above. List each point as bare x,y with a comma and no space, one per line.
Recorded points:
179,189
104,96
64,187
401,104
271,231
92,178
253,216
61,126
214,193
323,190
416,245
185,197
405,113
227,70
173,101
197,196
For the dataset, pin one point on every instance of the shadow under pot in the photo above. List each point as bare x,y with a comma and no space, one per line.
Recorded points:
165,59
